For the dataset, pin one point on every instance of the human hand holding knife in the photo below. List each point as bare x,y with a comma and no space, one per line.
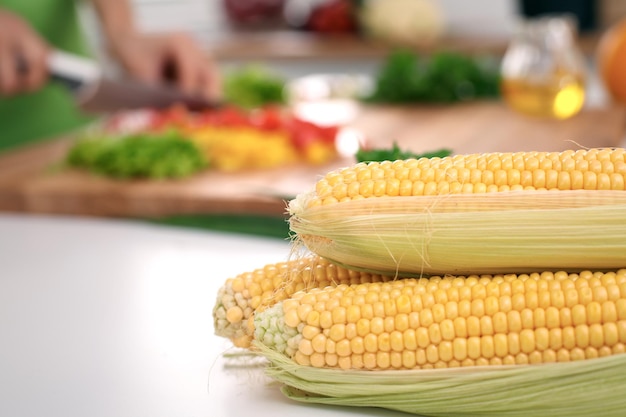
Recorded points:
96,93
161,70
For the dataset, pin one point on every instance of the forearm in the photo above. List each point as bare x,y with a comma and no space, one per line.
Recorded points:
116,17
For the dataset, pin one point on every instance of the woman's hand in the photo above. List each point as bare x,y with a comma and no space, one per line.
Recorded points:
157,58
23,56
167,58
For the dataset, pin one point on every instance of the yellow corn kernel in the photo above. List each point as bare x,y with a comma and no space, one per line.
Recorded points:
248,292
439,337
561,170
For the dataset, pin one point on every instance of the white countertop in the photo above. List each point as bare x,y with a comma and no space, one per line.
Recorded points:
113,319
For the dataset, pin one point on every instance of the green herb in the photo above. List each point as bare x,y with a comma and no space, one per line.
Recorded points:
253,87
378,155
259,225
167,155
445,77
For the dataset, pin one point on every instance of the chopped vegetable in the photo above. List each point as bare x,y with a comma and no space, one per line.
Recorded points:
238,149
455,214
165,155
445,77
379,155
236,139
254,86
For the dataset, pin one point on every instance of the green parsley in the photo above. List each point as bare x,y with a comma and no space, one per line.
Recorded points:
155,156
395,153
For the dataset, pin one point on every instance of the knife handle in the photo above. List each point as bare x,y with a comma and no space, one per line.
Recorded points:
70,83
73,71
67,79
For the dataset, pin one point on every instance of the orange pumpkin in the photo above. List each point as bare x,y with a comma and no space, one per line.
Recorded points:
611,59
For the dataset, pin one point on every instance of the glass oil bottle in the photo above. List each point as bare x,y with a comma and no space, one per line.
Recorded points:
543,70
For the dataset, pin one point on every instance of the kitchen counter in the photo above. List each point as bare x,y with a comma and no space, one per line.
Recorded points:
106,318
292,45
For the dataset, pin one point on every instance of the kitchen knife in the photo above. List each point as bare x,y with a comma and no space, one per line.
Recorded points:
96,93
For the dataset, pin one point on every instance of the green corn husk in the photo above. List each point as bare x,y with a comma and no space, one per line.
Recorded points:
516,231
586,388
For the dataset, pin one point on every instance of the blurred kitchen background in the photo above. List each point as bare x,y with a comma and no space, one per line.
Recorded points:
210,20
557,99
287,35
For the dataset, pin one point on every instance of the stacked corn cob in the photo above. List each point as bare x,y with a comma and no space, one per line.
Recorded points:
458,263
240,297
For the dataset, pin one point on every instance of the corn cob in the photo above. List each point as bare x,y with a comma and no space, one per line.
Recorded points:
451,321
466,214
241,296
594,169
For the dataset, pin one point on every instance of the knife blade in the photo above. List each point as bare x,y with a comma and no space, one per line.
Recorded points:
96,93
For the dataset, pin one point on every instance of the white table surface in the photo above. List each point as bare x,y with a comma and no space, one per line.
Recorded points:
113,319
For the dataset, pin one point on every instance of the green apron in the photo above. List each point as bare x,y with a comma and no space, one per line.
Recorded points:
48,112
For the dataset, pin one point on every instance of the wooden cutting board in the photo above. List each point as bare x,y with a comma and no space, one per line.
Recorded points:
30,183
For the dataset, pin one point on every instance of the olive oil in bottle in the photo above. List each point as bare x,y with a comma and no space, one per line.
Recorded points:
560,97
543,72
